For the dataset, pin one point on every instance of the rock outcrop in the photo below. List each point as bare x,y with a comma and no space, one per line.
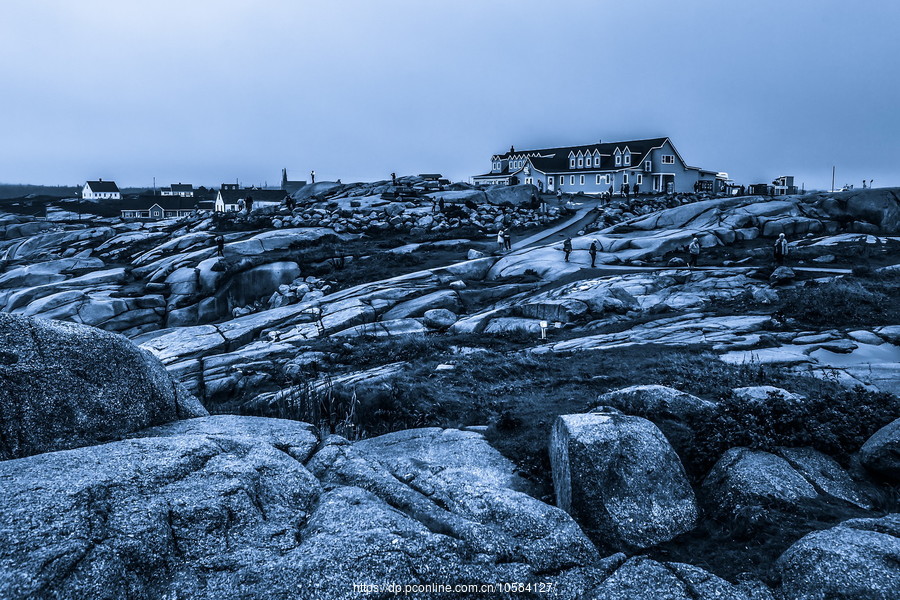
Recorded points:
64,385
619,477
881,452
857,560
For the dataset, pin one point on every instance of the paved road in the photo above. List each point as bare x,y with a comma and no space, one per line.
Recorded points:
582,216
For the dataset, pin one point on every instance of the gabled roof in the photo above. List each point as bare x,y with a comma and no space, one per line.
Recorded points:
103,186
557,159
182,187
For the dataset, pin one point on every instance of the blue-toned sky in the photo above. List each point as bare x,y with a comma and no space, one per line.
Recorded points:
207,91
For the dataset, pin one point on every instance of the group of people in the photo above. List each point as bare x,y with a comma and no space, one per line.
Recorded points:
780,250
592,250
504,240
245,204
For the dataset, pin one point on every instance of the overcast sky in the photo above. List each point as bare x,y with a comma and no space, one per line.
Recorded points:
207,91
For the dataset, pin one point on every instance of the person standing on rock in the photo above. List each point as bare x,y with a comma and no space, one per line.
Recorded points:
694,251
393,179
249,204
593,251
220,246
507,239
312,176
559,195
781,249
501,242
441,204
567,247
637,189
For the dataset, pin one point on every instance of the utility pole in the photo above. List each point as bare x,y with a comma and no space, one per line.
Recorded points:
832,178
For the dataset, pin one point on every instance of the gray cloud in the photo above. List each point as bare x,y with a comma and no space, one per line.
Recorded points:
210,91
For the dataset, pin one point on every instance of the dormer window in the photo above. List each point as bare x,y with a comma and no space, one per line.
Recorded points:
627,158
580,162
596,160
618,160
571,162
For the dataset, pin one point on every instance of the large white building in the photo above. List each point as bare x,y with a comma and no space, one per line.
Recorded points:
101,190
651,166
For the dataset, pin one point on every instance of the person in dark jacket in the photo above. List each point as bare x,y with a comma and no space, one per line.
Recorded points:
567,247
781,249
694,251
220,246
441,204
507,239
593,251
249,204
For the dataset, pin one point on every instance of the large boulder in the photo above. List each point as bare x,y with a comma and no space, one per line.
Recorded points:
191,515
641,578
618,476
750,483
455,483
881,452
781,276
514,194
857,560
64,385
658,400
439,318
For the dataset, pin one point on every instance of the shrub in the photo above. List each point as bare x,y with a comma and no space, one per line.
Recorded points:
841,303
836,424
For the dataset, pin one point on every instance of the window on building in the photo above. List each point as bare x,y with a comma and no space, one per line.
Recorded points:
625,178
571,163
582,180
648,166
618,160
640,179
627,159
668,159
599,179
571,180
597,161
580,163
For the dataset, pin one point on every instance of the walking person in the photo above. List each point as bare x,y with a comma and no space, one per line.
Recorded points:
781,249
593,251
694,251
507,239
567,247
220,246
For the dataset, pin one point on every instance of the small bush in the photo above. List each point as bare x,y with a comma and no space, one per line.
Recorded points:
836,424
841,303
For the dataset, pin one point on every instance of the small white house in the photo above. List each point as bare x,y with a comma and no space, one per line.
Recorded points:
101,190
